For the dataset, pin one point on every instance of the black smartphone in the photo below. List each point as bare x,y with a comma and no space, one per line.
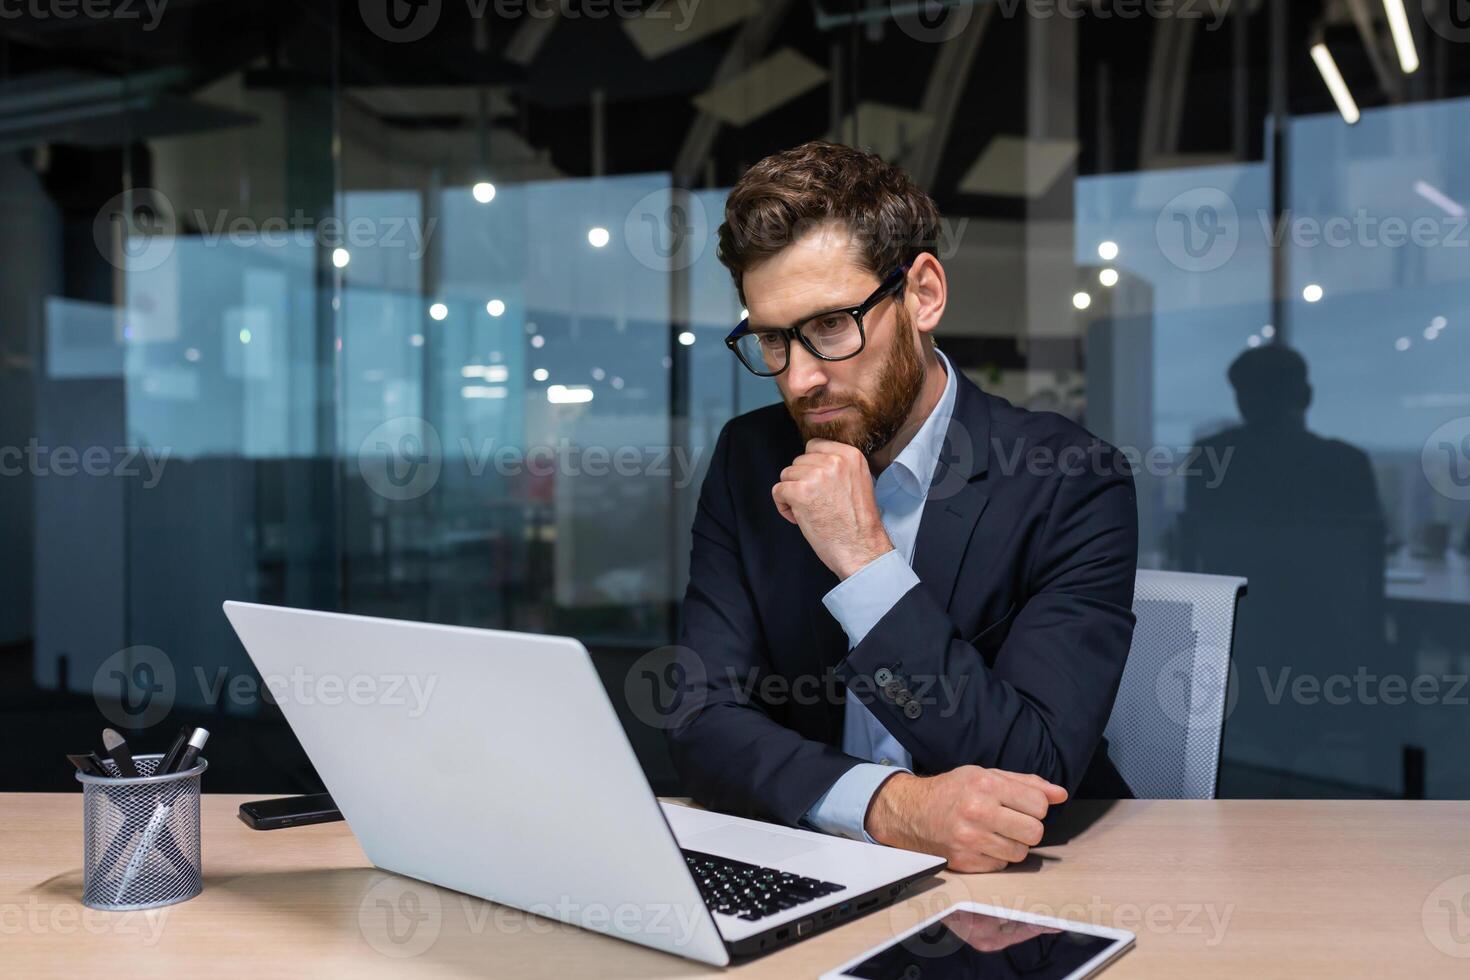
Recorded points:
289,811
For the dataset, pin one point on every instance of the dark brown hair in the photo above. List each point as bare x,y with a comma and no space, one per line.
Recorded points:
787,194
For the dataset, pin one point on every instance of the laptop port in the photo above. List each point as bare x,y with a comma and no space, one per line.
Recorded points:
783,934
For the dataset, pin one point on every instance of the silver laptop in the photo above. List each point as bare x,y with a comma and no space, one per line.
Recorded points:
493,763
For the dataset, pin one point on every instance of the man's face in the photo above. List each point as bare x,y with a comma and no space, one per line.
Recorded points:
864,400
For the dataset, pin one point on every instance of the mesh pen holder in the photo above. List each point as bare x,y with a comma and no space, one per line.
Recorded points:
141,836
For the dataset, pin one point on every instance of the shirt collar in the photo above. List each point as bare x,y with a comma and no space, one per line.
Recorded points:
913,467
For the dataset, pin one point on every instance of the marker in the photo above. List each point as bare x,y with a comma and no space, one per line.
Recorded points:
192,750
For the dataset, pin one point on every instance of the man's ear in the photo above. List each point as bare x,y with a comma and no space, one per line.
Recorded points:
926,292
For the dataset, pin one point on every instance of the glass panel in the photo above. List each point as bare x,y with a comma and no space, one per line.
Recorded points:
424,318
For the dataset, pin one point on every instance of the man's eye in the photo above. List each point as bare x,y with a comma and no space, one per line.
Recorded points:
770,339
831,324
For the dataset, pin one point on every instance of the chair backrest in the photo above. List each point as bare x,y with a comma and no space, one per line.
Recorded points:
1164,732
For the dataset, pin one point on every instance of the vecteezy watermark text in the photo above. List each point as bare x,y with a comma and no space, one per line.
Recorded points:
66,919
150,12
402,918
36,459
406,21
403,458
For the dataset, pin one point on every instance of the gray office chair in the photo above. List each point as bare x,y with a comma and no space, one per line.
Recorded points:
1164,733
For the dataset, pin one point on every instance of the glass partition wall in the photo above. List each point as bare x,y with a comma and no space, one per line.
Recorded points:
414,311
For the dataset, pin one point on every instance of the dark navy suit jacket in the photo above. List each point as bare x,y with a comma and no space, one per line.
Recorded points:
1012,644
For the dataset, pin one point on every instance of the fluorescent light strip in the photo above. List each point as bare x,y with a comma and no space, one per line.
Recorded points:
1335,84
1439,199
1403,36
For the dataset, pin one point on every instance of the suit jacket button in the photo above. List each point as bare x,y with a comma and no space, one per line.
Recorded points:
912,710
904,698
882,676
893,689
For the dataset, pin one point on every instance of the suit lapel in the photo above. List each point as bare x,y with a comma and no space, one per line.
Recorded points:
944,537
957,495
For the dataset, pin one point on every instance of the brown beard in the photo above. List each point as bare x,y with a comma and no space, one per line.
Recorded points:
879,417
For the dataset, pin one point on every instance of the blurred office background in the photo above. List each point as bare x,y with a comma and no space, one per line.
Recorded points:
413,310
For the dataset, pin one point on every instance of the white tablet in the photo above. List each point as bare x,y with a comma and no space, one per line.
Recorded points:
970,941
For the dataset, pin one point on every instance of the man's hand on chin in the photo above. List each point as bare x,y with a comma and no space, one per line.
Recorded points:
976,819
828,493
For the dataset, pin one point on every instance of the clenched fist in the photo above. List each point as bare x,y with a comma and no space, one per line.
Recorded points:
976,819
828,493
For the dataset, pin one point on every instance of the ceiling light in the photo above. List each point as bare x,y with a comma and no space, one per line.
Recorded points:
1335,84
1312,292
1081,300
340,257
598,237
438,311
484,192
495,307
1107,251
1108,277
1403,37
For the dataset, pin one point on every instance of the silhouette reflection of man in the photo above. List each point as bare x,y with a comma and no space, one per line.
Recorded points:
1298,515
1277,468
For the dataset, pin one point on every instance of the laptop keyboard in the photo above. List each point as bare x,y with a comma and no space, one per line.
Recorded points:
749,890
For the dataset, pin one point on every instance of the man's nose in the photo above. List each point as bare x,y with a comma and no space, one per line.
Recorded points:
805,373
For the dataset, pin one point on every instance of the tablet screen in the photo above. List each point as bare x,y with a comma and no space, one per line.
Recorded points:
968,945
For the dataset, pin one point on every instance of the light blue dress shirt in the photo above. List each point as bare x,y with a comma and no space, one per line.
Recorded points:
858,602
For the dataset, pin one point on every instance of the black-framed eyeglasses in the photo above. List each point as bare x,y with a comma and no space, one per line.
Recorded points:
832,335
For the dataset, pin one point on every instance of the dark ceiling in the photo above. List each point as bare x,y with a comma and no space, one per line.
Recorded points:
648,108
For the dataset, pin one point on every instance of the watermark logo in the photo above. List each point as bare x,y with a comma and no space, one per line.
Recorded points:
1176,690
401,459
400,918
134,231
1446,459
667,230
400,21
135,687
667,687
1446,917
1198,230
932,21
1450,19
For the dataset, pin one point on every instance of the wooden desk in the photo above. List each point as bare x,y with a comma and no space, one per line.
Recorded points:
1213,889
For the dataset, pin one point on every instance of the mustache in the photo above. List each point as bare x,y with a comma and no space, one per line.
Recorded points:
815,403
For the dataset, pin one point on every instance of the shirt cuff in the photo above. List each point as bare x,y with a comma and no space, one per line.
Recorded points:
864,597
843,809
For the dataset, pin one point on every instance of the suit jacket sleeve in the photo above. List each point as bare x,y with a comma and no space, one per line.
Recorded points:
730,752
1041,705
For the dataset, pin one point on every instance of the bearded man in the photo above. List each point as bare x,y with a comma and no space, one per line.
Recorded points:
909,601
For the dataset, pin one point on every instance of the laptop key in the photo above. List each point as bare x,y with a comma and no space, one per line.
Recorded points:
750,891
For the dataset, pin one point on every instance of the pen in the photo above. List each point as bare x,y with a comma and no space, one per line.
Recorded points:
160,814
89,764
117,748
171,757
